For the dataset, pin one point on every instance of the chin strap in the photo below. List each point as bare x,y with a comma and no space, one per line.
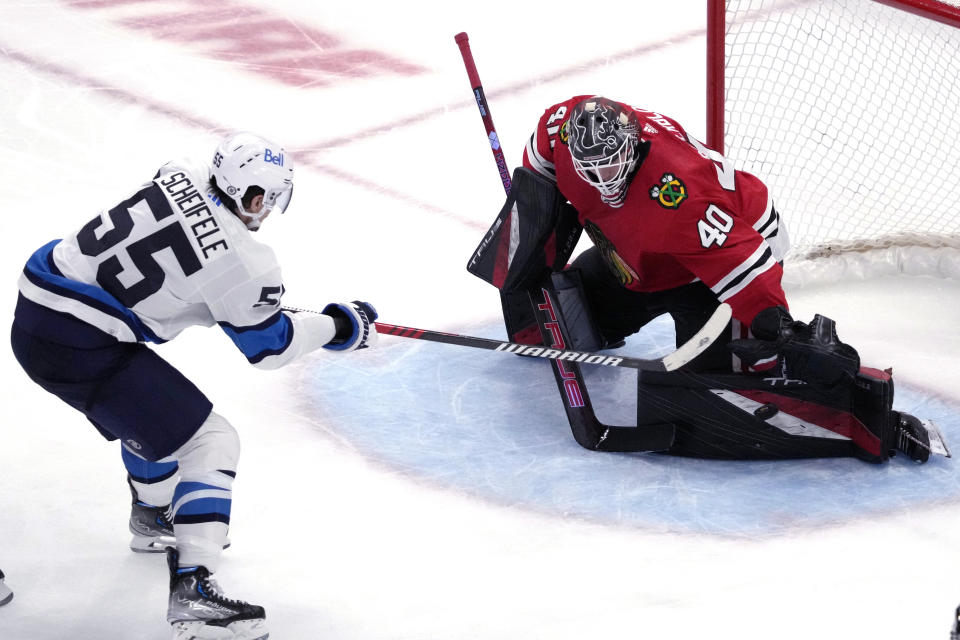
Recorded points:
254,219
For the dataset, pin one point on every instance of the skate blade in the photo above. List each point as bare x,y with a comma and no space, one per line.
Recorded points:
937,444
240,630
152,544
156,544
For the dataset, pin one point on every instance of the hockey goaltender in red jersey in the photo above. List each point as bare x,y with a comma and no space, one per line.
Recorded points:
677,229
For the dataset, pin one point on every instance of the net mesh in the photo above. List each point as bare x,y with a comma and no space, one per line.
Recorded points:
849,110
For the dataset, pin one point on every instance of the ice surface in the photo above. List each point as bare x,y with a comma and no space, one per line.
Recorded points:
494,427
417,490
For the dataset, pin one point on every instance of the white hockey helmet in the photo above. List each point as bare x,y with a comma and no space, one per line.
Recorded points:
604,140
244,160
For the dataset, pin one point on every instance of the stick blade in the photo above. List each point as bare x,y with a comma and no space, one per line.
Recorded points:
701,341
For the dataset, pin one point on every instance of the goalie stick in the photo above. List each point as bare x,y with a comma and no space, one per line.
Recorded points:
464,43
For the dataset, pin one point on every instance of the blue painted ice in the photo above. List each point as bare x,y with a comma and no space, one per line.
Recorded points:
492,425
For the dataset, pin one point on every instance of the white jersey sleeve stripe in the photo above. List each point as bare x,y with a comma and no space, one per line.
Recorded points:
540,164
769,215
764,263
774,231
741,269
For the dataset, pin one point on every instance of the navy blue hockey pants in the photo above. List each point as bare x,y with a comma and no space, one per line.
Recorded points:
125,389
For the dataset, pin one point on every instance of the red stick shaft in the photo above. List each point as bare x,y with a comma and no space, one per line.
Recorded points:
464,43
384,328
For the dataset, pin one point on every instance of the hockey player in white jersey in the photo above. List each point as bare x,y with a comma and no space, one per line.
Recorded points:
177,252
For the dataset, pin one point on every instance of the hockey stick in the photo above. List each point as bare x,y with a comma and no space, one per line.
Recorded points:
464,43
670,362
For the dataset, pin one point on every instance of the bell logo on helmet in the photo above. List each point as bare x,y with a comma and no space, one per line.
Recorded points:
245,166
268,156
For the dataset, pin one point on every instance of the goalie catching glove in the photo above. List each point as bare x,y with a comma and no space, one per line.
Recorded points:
809,352
354,324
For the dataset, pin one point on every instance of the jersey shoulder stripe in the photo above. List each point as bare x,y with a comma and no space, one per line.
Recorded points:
52,289
537,162
766,225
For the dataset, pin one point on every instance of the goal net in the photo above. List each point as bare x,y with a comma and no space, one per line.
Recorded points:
849,110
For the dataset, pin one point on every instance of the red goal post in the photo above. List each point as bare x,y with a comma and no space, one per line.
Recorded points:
849,110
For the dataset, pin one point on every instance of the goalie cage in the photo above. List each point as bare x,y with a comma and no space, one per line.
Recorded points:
849,110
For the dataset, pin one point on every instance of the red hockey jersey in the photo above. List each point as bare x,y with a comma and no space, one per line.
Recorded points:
688,215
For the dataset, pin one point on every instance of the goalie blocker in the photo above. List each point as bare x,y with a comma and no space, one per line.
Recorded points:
818,401
534,235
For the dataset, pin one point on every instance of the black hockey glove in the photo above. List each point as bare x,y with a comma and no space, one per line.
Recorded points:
809,352
354,324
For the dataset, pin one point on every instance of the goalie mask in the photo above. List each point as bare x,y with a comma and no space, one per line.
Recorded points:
244,161
603,141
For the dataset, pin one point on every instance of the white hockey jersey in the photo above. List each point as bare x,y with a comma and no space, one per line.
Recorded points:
168,257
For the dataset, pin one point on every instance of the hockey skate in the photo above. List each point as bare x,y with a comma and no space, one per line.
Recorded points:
919,438
151,526
6,595
197,609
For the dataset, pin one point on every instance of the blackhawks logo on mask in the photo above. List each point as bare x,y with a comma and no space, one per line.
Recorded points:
608,252
670,192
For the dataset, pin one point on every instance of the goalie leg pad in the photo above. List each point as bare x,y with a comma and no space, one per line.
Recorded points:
739,416
872,404
719,423
518,318
582,333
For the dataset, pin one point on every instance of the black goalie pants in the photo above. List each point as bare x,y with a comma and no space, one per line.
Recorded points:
619,312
